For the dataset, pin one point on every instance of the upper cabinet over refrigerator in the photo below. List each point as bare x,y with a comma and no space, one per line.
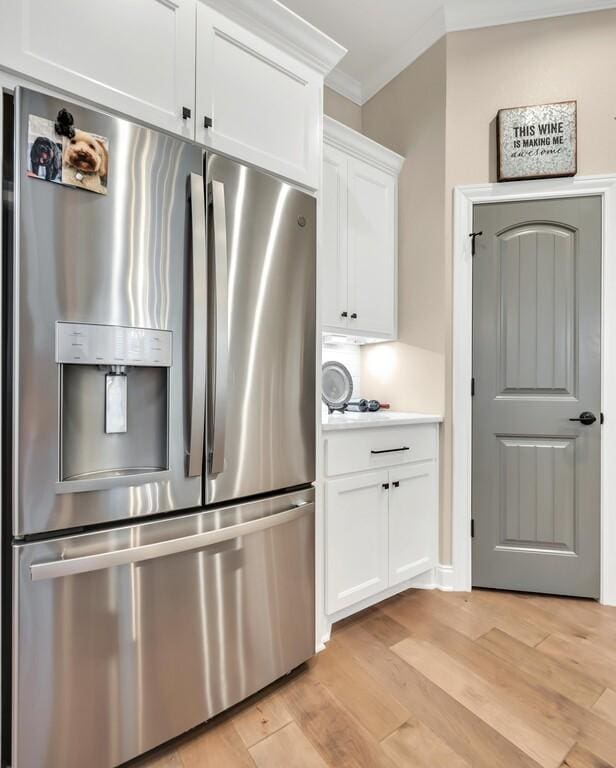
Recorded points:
136,57
109,340
256,102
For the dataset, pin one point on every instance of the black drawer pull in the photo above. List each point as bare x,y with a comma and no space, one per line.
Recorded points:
393,450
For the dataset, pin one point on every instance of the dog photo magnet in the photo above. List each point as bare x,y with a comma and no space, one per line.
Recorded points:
44,150
85,160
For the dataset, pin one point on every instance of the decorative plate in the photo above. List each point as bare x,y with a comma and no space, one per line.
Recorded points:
336,385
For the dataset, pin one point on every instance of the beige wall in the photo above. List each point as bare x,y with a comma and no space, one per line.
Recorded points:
440,114
342,109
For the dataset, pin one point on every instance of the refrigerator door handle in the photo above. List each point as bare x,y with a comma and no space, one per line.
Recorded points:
198,325
104,560
221,351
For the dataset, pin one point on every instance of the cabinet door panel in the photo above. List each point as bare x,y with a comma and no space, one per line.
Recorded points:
264,105
372,229
334,263
413,514
356,539
135,57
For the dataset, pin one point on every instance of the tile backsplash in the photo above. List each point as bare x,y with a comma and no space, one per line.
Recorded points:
349,356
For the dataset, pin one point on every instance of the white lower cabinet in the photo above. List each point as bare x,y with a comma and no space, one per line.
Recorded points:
412,521
381,526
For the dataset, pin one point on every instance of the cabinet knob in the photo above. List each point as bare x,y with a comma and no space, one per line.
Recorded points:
354,316
186,113
386,486
344,314
207,122
396,484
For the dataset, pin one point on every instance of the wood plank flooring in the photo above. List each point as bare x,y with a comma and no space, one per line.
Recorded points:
433,680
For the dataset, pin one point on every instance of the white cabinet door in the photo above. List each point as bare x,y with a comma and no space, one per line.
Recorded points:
413,515
356,539
264,105
135,56
334,261
372,248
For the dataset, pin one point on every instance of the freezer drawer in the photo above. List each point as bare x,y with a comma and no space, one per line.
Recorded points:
126,638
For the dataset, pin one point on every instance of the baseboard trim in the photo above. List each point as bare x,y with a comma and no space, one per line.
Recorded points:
445,580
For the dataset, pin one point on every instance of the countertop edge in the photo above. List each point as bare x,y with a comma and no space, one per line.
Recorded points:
394,421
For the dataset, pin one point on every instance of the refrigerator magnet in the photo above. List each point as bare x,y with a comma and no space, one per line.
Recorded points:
85,161
44,159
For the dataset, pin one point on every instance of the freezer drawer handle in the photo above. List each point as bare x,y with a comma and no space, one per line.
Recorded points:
393,450
198,325
104,560
221,351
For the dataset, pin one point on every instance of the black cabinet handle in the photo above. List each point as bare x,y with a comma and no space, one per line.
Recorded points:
386,486
586,417
396,484
393,450
344,314
354,316
186,113
207,122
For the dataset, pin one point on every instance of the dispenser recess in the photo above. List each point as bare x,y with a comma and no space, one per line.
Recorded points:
113,409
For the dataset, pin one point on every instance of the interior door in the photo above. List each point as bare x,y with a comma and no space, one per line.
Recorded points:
537,369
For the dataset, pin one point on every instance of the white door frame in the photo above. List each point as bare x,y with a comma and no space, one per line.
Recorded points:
464,199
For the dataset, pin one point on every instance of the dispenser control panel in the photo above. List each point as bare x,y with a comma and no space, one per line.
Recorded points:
89,344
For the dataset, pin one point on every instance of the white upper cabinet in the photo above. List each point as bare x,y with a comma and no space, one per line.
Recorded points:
253,68
335,276
134,56
359,260
255,100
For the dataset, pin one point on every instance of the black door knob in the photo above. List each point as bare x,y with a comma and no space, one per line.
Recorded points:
586,417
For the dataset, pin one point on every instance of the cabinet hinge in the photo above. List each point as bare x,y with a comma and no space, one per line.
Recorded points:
473,387
472,528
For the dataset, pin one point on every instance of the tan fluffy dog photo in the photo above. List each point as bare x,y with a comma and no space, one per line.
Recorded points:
84,162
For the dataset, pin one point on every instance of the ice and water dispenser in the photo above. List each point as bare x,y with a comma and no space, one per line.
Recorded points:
113,409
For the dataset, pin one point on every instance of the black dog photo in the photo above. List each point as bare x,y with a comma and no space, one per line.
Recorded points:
44,150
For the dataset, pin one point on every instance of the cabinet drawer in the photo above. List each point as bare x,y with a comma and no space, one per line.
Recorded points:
359,450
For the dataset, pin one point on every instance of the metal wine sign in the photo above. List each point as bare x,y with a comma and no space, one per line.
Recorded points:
537,142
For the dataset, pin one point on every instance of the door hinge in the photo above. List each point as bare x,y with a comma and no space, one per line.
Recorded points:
474,236
472,528
473,387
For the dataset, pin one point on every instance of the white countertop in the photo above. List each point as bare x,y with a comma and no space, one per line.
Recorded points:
384,418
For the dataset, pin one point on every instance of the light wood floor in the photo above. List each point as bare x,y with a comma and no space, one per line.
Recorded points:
434,680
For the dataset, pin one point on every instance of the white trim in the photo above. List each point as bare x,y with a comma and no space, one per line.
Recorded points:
356,144
285,29
422,38
345,85
464,200
455,16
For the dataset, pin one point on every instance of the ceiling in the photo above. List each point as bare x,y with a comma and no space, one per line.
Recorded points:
384,36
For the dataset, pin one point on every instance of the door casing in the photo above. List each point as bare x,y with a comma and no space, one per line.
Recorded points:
465,197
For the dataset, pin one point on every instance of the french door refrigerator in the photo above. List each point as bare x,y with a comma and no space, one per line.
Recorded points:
159,419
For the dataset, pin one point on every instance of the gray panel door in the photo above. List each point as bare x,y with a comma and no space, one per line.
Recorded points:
537,366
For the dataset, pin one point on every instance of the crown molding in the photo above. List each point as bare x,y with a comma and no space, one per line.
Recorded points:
456,16
475,14
345,85
285,29
422,39
356,144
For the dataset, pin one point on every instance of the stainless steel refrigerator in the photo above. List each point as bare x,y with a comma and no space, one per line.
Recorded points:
159,434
